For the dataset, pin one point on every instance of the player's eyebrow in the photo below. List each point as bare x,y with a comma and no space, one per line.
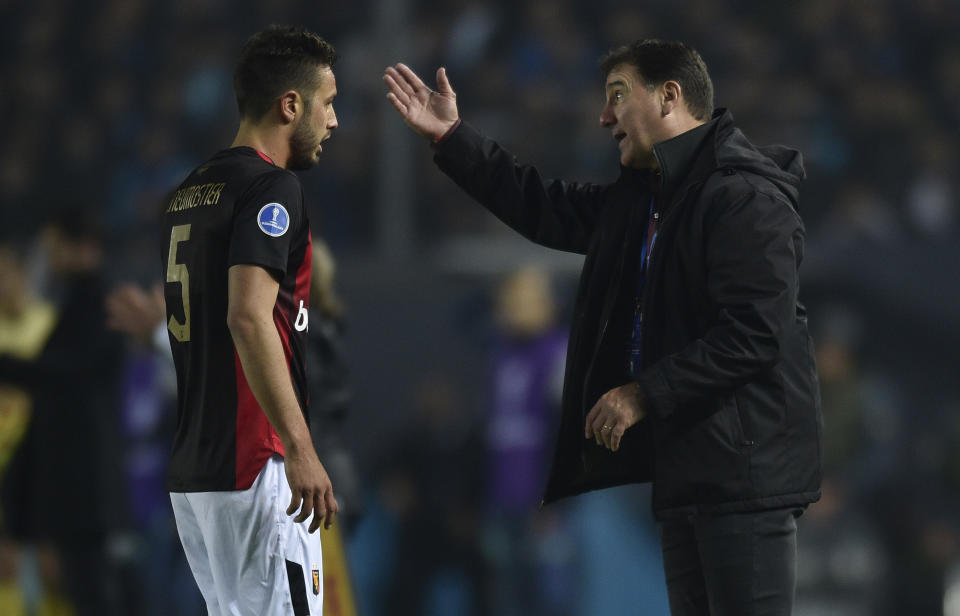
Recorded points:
615,83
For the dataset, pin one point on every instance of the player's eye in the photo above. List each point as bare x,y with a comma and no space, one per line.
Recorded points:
618,96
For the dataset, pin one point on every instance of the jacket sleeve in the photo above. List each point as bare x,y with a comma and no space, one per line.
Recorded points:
552,213
752,252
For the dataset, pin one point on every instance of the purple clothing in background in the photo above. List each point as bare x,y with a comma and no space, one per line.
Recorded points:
527,379
145,403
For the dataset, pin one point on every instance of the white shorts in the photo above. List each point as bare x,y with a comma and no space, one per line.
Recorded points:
248,556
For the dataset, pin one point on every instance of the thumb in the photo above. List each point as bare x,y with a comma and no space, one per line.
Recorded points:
443,84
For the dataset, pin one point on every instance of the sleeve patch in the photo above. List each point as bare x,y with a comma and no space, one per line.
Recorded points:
273,219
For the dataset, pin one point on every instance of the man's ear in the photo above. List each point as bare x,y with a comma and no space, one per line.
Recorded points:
291,106
670,96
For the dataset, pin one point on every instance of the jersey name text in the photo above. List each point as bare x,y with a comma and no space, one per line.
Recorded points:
195,196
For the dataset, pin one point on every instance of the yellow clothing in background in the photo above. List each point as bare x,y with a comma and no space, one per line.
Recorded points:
21,336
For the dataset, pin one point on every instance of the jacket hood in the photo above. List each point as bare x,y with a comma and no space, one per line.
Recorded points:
781,165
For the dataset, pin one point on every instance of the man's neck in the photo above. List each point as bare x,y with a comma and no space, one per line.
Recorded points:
267,140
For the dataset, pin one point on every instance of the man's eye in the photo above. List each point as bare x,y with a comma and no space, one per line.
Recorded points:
618,96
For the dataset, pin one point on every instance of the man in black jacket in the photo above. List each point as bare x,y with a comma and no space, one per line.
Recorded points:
689,361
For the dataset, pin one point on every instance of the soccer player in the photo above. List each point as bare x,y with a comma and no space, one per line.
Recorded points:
236,265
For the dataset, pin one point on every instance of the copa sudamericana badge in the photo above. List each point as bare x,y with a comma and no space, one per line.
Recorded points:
273,219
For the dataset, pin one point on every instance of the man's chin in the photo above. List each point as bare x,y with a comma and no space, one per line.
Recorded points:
302,164
304,161
637,162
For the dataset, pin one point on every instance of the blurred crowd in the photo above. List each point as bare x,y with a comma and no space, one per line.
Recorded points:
428,376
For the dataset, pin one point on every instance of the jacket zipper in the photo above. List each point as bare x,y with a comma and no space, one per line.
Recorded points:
589,371
606,321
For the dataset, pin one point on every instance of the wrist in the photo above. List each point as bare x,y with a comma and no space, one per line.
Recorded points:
297,444
437,140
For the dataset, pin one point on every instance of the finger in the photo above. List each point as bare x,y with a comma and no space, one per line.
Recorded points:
612,424
333,507
318,513
601,419
397,104
616,436
608,435
588,423
443,84
402,82
397,90
159,300
306,508
411,77
295,498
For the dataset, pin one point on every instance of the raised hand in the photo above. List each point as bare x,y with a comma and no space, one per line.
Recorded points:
430,113
134,311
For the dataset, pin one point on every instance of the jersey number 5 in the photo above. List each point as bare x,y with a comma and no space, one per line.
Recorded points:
177,272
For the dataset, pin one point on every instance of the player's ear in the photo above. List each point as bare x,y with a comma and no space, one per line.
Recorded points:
290,106
670,93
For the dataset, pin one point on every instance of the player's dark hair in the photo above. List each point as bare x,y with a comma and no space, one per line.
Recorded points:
660,61
275,60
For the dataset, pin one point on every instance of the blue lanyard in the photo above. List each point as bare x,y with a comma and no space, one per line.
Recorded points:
649,238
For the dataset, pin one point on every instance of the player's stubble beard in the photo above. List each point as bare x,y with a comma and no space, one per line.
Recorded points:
303,144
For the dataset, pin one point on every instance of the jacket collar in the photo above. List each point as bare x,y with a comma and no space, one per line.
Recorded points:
684,159
692,156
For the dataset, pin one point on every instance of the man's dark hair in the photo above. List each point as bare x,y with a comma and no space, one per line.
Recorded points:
660,61
275,60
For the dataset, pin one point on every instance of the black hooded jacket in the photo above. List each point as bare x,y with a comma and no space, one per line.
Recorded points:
732,403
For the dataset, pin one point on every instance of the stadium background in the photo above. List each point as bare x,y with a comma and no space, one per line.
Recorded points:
108,104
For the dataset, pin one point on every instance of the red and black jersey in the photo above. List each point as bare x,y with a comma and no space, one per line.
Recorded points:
237,208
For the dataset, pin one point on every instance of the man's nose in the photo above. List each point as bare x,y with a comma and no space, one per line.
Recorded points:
607,118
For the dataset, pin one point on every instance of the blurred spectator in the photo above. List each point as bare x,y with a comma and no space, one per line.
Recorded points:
25,324
528,573
65,484
329,396
329,385
428,485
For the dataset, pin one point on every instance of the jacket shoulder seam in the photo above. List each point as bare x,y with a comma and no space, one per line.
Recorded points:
752,188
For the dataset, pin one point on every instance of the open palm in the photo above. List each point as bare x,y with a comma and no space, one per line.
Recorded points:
430,113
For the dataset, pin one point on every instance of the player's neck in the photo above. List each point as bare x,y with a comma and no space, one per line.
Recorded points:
267,140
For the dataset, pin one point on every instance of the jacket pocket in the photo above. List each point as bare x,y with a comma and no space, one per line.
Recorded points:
705,462
727,426
742,440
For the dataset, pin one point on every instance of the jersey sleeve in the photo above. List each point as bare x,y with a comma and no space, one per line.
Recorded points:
265,221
